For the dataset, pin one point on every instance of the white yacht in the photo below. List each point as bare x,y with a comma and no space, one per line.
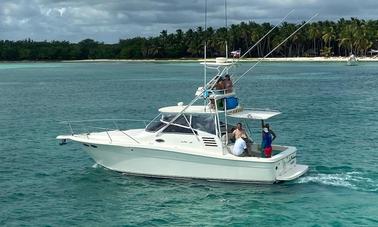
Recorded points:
352,60
192,141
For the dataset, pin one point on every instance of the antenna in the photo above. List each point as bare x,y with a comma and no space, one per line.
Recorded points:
225,21
225,12
204,52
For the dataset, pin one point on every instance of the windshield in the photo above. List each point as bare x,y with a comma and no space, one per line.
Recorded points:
180,121
197,122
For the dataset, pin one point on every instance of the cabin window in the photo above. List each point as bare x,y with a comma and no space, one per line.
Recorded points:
179,121
178,129
204,123
155,126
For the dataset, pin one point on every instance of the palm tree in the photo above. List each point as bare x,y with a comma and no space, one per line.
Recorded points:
346,38
314,33
256,32
328,36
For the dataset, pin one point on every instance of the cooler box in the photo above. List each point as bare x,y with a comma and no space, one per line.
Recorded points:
231,103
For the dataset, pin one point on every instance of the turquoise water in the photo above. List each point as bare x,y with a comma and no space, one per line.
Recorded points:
329,113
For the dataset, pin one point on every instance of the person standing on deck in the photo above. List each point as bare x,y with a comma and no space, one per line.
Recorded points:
266,144
271,131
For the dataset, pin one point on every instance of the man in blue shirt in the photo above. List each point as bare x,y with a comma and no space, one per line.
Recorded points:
267,138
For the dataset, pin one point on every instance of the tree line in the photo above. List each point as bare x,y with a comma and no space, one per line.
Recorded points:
322,38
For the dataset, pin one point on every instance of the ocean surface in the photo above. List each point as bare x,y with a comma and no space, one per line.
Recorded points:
329,112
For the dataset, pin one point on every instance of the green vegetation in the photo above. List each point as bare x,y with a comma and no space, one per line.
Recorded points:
323,38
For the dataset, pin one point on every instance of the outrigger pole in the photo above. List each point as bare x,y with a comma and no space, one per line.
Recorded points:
262,38
260,60
225,22
209,83
205,50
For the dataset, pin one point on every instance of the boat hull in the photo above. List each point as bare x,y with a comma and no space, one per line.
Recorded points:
170,164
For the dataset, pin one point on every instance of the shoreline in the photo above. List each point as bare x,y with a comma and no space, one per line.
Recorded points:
182,60
291,59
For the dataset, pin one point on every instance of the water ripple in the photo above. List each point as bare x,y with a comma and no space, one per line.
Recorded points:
353,180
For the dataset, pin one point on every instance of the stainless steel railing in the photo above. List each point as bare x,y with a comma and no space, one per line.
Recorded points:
84,124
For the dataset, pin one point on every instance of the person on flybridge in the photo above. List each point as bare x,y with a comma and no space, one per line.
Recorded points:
221,86
227,83
218,88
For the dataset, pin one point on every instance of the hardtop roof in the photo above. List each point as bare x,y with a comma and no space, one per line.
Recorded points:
252,114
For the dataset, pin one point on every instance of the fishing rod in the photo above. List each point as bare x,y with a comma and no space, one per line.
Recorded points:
261,59
262,38
249,50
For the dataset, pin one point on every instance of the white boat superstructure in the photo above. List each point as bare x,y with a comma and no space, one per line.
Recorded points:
195,140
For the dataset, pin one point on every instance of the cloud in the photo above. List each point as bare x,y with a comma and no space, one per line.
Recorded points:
112,20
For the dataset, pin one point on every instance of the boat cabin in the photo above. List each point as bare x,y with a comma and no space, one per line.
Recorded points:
208,125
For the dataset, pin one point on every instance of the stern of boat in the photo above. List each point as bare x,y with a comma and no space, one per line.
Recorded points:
286,166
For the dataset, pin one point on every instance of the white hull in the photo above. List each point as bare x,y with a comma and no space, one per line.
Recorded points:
171,164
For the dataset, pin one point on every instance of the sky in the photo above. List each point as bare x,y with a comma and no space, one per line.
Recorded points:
111,20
